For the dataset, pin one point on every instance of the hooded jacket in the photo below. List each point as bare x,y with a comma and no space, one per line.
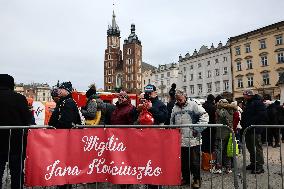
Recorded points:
225,116
189,113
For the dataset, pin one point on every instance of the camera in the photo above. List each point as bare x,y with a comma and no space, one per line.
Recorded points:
147,96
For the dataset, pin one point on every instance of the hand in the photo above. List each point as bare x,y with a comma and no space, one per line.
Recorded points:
149,105
194,133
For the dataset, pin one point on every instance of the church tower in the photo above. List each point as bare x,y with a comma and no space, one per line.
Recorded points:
113,64
132,63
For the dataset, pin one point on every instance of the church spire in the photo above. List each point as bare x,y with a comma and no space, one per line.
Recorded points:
114,25
113,29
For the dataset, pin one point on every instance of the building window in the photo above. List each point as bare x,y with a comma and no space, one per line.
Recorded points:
264,61
109,79
217,73
250,81
191,89
191,67
162,75
208,63
280,57
209,87
199,65
226,85
199,75
149,81
144,82
191,77
239,66
109,88
128,51
168,82
168,74
248,50
225,59
238,50
184,88
216,61
109,64
184,78
43,94
262,44
209,74
265,77
279,40
184,69
109,57
249,64
240,83
225,70
217,85
199,88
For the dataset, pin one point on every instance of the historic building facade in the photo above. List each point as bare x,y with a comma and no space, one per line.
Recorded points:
122,70
258,60
163,77
207,71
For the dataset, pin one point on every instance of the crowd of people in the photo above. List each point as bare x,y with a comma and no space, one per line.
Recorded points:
180,110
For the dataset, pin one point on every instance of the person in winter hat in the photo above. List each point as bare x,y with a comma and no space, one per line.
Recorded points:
156,107
210,107
14,111
66,113
89,111
224,115
171,103
254,113
187,111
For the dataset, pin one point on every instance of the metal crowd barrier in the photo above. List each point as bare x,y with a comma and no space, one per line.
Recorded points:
230,183
260,179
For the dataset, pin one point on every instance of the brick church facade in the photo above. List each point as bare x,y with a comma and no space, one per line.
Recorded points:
122,69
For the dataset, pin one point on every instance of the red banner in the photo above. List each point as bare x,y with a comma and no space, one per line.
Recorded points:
119,156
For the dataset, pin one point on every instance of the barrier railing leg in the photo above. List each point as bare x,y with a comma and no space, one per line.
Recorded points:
267,164
244,160
211,157
281,161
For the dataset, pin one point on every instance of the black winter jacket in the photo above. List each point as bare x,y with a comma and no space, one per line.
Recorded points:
254,114
14,111
159,111
65,114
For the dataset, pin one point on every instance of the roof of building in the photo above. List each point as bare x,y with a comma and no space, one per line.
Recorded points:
146,67
259,30
204,51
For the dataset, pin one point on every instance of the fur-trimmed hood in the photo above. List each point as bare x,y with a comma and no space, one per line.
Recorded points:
226,105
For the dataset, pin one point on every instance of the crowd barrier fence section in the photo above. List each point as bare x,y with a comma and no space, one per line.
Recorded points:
265,130
24,129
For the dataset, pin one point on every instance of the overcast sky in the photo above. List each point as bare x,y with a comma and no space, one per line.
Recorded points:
50,40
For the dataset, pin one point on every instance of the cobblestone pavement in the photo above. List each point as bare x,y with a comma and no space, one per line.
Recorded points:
253,181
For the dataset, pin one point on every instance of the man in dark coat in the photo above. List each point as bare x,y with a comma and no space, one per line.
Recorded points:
14,111
156,107
254,114
66,113
210,108
274,119
171,102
